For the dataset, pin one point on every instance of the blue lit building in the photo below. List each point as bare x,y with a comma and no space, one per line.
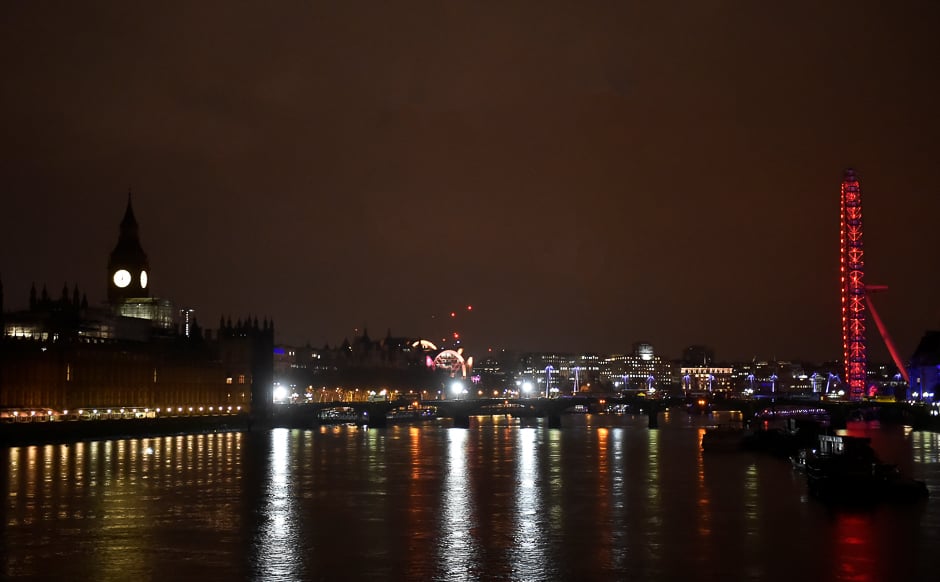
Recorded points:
925,368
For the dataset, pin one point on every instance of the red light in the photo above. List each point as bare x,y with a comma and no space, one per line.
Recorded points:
469,308
456,335
453,314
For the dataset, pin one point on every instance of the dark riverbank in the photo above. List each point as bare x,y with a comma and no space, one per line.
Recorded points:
917,416
19,434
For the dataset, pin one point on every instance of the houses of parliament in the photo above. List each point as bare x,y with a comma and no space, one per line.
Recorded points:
136,355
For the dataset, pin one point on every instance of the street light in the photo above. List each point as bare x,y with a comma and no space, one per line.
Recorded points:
456,387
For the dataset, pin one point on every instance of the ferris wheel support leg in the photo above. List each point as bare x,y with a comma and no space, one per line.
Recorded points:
887,339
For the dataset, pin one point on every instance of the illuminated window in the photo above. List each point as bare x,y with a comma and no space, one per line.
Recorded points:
241,378
228,380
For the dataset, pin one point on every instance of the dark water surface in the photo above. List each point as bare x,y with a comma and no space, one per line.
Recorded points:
603,498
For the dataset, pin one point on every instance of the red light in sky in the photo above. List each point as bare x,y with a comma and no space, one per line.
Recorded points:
453,314
456,335
469,308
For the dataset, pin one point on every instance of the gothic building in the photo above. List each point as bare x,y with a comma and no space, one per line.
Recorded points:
395,363
128,265
63,359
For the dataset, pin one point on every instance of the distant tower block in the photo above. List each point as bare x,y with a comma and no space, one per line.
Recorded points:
852,274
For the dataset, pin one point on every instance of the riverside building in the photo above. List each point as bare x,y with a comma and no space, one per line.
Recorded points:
63,359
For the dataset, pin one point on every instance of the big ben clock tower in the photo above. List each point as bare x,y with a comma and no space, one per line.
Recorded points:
128,268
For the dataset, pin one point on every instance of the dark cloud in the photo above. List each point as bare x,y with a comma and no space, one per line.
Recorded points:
587,175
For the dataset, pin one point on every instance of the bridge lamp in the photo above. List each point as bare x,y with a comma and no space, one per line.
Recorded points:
527,387
280,393
456,388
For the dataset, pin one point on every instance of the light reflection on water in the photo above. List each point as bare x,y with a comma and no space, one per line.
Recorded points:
104,499
277,541
620,556
602,508
926,447
703,512
528,555
602,498
457,551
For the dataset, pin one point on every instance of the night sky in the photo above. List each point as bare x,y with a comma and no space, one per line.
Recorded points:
585,174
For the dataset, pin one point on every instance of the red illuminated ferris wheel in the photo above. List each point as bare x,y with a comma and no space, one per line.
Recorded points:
852,274
856,295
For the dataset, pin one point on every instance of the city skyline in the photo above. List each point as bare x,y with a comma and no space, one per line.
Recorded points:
584,178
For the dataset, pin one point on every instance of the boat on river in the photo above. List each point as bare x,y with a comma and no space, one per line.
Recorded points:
801,412
845,469
411,414
724,438
783,441
339,415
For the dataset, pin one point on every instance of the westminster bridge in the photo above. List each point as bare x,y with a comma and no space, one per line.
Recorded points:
378,414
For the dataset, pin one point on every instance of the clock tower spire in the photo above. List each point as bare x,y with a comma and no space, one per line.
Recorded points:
128,267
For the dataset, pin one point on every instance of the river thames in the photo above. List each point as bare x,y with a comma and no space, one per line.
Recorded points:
602,498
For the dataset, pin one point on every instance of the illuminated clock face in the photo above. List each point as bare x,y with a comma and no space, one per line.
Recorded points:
143,279
122,278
